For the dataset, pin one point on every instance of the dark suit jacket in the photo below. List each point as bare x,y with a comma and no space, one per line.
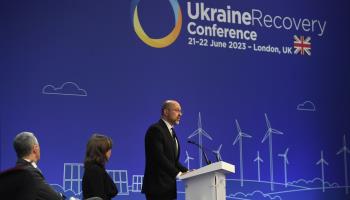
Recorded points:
17,184
97,182
42,189
162,162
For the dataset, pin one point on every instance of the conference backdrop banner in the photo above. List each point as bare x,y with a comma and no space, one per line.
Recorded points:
263,84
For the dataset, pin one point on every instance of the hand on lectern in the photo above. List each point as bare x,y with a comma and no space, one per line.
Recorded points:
183,173
190,170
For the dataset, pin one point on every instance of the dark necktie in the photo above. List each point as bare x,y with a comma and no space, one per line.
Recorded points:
175,141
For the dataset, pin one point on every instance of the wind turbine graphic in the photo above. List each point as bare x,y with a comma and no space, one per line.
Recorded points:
270,131
322,162
217,153
187,160
345,151
200,132
285,163
258,159
239,138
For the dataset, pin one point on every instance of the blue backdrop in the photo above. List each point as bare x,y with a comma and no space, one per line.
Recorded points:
71,68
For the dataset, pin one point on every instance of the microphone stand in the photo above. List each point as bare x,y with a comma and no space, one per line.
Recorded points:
203,152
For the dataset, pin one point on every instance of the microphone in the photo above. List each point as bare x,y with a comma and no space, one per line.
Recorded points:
202,149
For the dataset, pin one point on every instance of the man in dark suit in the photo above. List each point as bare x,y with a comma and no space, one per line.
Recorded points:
162,150
28,154
16,184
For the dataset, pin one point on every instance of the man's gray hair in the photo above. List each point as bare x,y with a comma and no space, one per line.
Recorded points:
23,143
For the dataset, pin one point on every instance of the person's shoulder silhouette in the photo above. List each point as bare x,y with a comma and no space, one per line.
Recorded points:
17,184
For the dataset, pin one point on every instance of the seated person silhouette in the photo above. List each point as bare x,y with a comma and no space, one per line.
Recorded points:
17,184
28,154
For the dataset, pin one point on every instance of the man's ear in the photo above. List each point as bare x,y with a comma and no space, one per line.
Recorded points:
165,112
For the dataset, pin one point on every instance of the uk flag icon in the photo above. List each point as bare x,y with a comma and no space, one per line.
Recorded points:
302,45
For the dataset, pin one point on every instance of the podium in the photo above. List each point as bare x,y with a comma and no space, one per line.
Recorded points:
208,182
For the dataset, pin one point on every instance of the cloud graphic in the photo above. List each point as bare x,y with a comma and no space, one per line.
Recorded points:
306,106
67,88
256,195
68,193
316,182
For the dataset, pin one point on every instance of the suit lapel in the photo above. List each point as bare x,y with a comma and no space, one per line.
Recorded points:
170,141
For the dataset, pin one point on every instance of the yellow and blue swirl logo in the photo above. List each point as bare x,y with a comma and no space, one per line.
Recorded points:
160,42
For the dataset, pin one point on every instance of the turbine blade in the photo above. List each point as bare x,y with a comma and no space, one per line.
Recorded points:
340,151
236,140
206,135
267,121
276,131
245,135
267,134
193,134
199,120
258,159
238,128
286,152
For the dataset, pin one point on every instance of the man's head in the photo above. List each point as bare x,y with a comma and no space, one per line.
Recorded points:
26,146
171,112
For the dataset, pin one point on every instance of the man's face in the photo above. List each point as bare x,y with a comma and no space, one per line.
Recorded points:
36,152
108,154
173,113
